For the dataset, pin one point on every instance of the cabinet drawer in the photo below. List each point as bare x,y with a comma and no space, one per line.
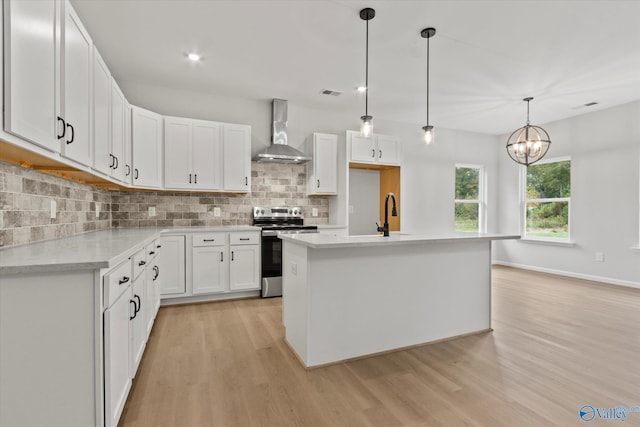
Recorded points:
116,282
139,262
152,250
209,239
252,238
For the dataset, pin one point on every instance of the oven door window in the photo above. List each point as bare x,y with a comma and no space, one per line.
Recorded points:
271,256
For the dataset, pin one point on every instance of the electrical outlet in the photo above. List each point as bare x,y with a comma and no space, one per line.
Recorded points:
294,268
53,209
314,211
97,209
152,211
216,212
599,256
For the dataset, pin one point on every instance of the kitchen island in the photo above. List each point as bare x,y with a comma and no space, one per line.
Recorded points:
346,297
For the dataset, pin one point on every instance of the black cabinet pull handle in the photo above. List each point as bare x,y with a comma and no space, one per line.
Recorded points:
135,173
117,163
245,238
318,183
157,270
128,170
139,303
246,180
113,160
189,178
142,263
208,240
73,134
158,247
152,252
379,154
221,256
124,279
135,309
373,152
232,256
64,127
195,178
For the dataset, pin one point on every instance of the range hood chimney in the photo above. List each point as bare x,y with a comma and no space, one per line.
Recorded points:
279,151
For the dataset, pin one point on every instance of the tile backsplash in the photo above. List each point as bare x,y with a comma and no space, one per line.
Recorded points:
25,204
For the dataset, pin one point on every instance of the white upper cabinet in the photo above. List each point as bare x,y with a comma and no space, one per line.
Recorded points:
237,158
76,104
30,72
322,170
192,154
102,157
118,129
146,140
377,149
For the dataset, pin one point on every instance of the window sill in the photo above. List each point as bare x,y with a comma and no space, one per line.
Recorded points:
565,243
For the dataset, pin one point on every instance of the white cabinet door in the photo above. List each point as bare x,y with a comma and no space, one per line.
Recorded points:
128,154
77,54
102,156
363,149
207,155
210,265
147,143
118,128
30,74
244,267
138,330
117,378
177,153
322,170
388,148
237,158
172,265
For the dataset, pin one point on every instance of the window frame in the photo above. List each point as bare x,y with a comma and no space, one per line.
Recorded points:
524,201
481,201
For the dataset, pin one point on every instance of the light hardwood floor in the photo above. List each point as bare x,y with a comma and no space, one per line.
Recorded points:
558,344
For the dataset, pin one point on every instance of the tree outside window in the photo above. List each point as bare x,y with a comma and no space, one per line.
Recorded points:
548,199
469,198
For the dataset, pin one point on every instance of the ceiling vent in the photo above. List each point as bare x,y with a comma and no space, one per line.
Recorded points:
330,92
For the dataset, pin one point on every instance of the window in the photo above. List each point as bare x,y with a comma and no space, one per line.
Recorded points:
547,197
469,199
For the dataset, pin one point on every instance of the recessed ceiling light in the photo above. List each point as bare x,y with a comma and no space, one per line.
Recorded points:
361,89
194,57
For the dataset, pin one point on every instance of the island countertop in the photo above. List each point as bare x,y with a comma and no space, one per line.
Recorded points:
326,241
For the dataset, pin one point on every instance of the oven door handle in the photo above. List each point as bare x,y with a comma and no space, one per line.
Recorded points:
269,233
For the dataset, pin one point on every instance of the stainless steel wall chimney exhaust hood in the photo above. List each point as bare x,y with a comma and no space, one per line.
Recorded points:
279,151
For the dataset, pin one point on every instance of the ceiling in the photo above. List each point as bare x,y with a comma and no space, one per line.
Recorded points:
485,57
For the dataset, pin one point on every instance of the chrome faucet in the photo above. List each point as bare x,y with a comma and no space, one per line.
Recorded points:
385,227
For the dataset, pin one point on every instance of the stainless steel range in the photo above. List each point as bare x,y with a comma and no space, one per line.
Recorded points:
274,221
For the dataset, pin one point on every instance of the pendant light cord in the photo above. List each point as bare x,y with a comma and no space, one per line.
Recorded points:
528,111
428,80
366,75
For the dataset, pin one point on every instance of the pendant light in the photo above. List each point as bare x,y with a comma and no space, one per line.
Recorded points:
427,131
528,144
366,127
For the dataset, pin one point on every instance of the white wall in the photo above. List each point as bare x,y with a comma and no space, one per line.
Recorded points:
364,199
604,147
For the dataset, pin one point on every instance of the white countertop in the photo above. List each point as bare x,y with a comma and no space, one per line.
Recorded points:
89,251
327,241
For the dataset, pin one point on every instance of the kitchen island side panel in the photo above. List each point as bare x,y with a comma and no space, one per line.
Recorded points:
373,299
295,298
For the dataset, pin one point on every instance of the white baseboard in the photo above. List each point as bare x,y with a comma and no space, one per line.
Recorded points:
607,280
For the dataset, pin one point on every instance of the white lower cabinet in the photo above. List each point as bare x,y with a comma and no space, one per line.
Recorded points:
173,264
244,268
210,267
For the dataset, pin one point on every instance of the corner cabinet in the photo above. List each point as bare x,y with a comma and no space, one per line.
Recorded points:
322,170
146,131
237,158
374,149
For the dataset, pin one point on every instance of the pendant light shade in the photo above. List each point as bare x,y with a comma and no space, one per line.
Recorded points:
427,131
528,144
366,125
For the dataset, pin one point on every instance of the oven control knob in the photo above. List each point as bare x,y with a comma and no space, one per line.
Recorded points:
262,211
290,211
295,211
